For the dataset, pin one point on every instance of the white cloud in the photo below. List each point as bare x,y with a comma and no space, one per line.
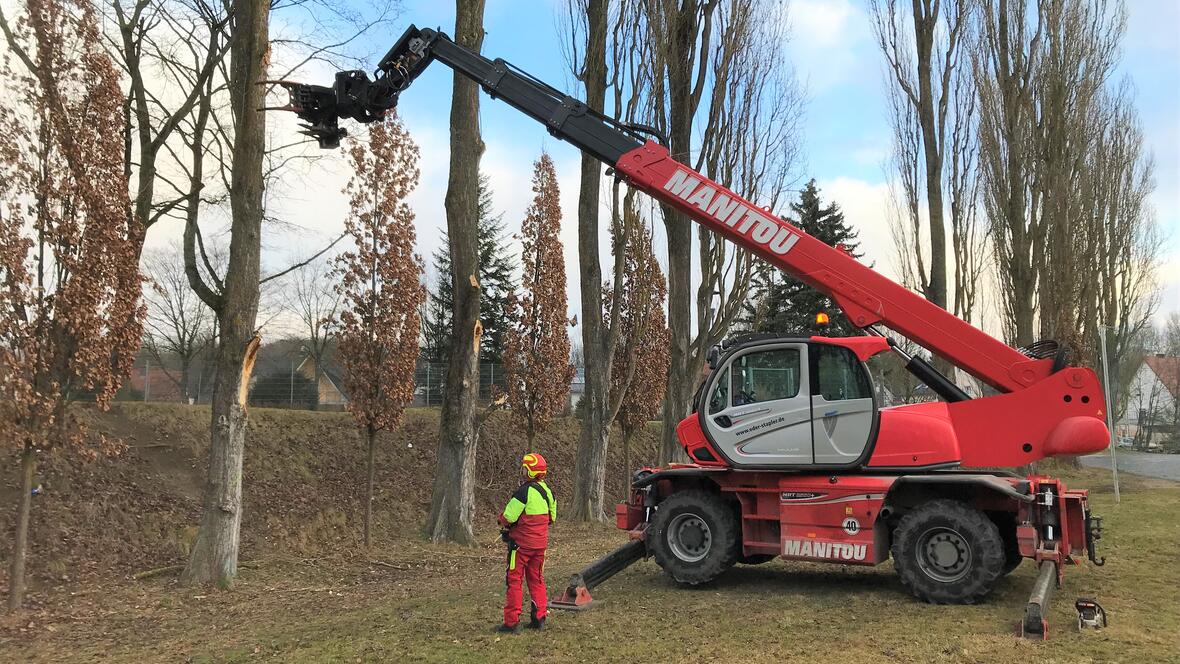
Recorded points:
866,208
826,36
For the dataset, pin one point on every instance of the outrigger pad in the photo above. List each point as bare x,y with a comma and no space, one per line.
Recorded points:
573,599
577,593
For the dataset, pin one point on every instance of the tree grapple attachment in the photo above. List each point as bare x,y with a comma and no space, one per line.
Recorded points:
353,95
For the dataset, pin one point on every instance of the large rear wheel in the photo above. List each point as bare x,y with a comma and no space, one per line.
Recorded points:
1006,523
947,552
694,536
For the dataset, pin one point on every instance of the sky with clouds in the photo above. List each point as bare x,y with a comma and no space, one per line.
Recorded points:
845,128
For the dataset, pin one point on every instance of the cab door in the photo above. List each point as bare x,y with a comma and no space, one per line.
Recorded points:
843,410
759,407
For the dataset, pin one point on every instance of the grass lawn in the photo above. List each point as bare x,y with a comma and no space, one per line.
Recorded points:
413,602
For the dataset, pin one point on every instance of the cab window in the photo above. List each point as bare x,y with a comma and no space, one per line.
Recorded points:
719,399
766,375
839,375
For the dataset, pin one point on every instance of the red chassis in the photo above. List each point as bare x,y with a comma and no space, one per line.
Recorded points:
850,519
843,518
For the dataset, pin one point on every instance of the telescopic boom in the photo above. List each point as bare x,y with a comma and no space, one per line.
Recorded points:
866,297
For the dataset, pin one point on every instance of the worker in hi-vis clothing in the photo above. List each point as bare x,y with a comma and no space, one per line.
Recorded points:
525,522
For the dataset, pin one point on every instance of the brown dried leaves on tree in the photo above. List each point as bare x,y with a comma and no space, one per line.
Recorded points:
380,286
69,280
537,347
639,373
640,370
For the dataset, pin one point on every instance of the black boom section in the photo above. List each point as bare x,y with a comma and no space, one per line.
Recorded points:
354,96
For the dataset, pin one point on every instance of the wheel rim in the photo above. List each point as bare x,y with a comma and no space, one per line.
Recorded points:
944,555
689,537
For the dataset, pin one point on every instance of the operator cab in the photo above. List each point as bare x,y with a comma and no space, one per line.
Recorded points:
785,401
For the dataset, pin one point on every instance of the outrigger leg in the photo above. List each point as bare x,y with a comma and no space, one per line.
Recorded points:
577,594
1036,623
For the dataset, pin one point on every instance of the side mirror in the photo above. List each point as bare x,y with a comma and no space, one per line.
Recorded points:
713,357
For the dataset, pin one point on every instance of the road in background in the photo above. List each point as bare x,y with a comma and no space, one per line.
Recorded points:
1163,466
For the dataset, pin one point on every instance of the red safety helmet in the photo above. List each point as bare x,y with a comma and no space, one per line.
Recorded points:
534,466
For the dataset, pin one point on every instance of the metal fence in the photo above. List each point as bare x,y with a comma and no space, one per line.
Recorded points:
430,380
283,383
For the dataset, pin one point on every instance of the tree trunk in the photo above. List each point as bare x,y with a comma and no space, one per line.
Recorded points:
318,375
371,440
20,542
679,234
589,467
627,436
924,28
214,558
453,500
590,471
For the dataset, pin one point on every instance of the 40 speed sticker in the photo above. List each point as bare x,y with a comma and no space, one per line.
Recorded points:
851,526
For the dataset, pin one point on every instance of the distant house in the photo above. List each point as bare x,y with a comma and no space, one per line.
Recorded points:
577,388
1153,403
331,385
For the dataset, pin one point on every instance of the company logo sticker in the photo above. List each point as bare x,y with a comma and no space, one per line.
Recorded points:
824,550
801,495
746,220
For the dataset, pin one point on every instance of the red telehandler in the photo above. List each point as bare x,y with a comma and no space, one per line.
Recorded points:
791,454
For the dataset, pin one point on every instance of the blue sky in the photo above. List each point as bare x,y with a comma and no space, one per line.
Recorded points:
845,128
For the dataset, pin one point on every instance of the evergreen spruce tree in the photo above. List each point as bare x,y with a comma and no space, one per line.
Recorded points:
782,304
496,266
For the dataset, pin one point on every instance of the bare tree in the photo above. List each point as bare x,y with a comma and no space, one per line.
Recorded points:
214,557
1170,334
933,106
453,499
68,245
1005,65
719,65
380,283
1123,253
593,56
179,326
170,52
315,299
1080,52
537,347
1064,177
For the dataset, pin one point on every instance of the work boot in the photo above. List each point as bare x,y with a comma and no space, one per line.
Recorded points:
534,621
509,629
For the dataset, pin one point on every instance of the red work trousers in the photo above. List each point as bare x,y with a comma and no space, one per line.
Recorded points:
525,565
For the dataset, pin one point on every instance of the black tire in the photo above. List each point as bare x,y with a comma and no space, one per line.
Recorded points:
694,537
756,558
1007,526
947,552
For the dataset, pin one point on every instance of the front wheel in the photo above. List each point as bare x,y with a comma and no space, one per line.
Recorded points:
947,552
694,536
